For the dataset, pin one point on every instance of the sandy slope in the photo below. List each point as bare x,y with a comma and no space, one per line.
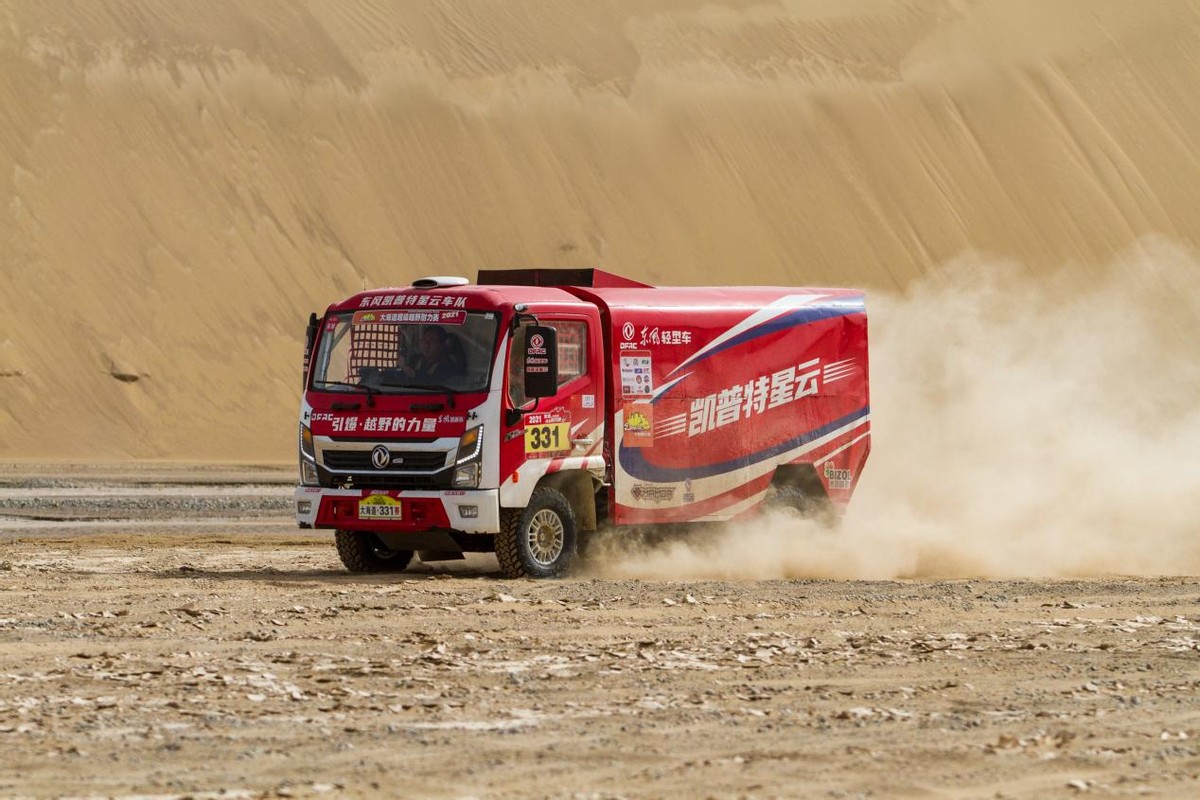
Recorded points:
183,182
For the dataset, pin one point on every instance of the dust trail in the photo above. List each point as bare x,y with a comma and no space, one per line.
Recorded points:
1022,427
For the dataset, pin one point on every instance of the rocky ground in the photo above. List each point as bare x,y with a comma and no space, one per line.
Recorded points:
171,634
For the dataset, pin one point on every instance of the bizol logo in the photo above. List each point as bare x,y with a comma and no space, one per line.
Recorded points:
838,478
627,330
381,457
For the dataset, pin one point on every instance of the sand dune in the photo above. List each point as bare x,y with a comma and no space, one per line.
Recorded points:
183,182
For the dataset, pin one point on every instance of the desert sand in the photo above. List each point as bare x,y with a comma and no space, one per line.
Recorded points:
184,182
1009,609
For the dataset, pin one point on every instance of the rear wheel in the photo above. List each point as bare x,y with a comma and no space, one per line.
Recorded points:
361,551
796,502
538,541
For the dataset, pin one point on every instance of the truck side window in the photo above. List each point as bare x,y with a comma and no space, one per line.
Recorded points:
572,350
572,356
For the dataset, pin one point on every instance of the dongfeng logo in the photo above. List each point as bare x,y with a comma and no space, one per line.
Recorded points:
627,331
381,458
537,341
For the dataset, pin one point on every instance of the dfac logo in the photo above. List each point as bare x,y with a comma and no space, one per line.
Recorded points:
381,458
627,330
537,341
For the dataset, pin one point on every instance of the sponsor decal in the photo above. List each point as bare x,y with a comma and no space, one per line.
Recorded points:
378,424
379,506
536,357
414,300
515,433
639,425
636,377
628,331
411,317
668,336
738,402
653,493
547,434
589,401
837,478
688,495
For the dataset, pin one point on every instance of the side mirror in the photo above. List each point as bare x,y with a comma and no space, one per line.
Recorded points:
540,361
309,339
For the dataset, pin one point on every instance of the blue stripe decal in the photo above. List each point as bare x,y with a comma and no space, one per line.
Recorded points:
801,316
634,461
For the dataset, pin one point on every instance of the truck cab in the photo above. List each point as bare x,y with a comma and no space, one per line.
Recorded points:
417,428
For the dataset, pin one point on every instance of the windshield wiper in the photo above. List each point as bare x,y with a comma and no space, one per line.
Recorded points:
370,390
431,387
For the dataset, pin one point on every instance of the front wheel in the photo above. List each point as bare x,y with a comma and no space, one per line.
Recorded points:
361,551
537,541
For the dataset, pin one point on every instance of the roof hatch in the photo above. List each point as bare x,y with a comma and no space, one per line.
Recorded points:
439,282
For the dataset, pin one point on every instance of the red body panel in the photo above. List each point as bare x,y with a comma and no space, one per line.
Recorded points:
710,390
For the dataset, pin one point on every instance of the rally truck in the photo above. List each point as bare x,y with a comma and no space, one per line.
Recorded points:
517,414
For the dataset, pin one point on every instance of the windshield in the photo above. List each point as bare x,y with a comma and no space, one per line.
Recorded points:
406,351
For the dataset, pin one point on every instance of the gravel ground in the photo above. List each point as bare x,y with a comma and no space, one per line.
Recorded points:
202,656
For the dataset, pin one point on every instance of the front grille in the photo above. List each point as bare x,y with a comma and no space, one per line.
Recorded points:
385,480
402,460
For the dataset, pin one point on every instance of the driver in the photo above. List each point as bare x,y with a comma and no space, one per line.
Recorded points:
434,362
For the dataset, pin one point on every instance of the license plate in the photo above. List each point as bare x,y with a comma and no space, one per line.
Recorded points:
379,506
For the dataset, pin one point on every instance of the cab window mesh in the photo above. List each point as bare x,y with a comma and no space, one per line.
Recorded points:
372,346
572,350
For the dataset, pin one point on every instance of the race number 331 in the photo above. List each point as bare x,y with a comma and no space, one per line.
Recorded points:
548,438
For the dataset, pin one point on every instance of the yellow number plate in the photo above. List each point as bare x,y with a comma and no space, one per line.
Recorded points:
550,438
379,506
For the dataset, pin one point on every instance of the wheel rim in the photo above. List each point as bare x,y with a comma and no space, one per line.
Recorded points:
545,537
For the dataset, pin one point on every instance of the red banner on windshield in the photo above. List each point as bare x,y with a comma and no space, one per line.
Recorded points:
411,317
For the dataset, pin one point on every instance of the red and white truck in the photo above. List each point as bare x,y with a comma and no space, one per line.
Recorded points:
518,414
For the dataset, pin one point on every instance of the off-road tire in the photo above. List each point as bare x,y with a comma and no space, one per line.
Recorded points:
538,541
361,551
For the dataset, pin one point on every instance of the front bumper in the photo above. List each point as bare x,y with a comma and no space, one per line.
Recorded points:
469,511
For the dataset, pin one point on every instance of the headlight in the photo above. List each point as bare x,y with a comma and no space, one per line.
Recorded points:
308,458
470,445
467,469
306,442
467,477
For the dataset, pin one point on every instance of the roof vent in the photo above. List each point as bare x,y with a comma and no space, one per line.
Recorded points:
439,282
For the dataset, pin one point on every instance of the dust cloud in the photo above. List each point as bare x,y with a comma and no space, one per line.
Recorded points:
1022,426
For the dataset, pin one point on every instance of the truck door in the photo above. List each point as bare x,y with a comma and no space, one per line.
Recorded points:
567,424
